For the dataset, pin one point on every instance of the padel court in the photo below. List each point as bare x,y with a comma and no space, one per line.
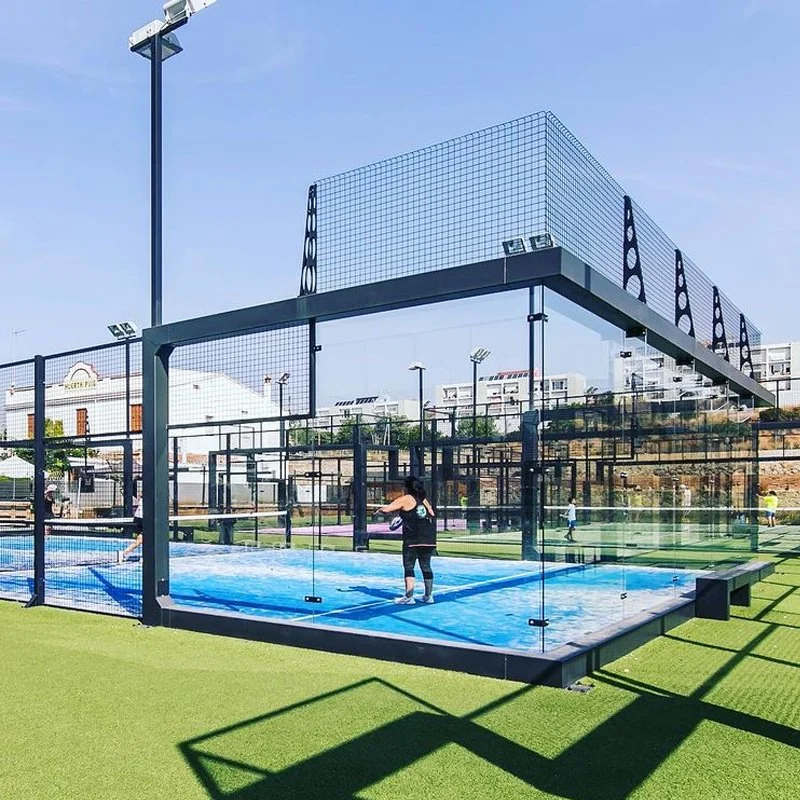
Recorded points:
478,601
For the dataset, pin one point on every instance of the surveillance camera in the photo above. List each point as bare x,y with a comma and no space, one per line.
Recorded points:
144,33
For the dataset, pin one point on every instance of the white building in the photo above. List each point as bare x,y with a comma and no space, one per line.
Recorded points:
370,406
642,369
87,403
777,366
507,392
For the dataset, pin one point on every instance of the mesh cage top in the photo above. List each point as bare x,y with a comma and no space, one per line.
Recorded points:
456,203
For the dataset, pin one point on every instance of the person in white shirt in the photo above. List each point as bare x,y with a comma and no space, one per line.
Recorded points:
137,527
572,519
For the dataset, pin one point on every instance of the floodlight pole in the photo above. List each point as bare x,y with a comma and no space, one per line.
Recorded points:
156,177
474,409
421,409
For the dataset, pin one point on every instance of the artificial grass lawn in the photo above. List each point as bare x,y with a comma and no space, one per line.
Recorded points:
96,707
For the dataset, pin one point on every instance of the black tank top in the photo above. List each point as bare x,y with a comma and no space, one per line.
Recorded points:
419,528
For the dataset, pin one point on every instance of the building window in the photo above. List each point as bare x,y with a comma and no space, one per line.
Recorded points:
30,426
136,418
82,422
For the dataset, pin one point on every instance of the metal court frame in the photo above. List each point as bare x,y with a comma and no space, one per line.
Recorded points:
554,268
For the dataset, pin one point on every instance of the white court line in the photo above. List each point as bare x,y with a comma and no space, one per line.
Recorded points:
376,603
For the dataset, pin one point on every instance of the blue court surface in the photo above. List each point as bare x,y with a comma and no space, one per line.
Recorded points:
478,601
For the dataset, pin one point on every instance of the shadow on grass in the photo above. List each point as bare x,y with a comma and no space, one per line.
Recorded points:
257,758
606,764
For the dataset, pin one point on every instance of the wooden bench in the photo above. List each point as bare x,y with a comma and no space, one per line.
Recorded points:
15,509
717,592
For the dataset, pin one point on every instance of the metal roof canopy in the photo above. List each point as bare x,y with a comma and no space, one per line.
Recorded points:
555,268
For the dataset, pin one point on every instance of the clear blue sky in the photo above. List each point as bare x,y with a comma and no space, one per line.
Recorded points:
693,107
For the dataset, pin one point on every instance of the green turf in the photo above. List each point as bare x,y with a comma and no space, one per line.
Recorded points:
97,707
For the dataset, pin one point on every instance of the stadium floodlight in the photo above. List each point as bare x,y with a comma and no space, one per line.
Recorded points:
478,355
514,247
284,378
156,42
142,42
177,12
123,330
541,241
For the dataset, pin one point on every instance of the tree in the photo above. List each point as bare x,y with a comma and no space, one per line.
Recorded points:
56,462
484,426
306,436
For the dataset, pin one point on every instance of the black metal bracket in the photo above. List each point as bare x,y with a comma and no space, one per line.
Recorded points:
538,623
630,245
538,317
683,308
745,356
719,341
312,598
635,333
317,348
623,596
308,276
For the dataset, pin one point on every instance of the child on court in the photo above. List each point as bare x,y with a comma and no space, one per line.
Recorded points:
770,507
572,519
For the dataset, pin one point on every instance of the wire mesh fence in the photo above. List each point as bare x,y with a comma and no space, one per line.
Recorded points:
457,202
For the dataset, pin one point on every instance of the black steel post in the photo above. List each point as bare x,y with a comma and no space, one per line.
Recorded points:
421,417
127,478
531,347
281,432
359,492
155,479
156,156
213,489
38,595
434,465
474,409
127,450
175,486
338,491
530,483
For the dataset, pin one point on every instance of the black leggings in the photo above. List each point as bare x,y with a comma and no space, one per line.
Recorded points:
422,553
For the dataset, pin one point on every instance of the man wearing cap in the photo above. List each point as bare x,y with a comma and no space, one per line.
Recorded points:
49,503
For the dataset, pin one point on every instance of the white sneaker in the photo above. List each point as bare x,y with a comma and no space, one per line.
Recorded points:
405,600
120,556
427,599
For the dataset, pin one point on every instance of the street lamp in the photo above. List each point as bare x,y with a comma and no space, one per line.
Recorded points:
157,42
282,381
476,356
416,365
14,335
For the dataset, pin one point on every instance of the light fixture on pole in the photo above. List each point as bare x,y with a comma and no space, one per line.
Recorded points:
157,42
477,356
416,365
282,381
123,330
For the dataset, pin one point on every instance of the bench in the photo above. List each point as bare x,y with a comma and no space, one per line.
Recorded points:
15,509
717,592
